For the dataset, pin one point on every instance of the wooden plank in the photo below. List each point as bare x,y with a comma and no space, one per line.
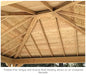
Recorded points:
71,23
19,65
4,3
6,60
36,45
47,5
46,38
3,19
12,54
10,14
16,26
11,49
15,15
23,8
60,36
28,51
72,59
67,5
6,23
72,14
14,39
29,30
77,43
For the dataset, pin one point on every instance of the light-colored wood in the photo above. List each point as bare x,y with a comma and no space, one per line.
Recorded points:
28,51
46,38
3,19
11,49
36,45
4,3
19,65
72,14
6,60
70,23
14,39
16,26
47,5
67,5
16,15
22,37
26,36
72,59
60,36
77,43
23,8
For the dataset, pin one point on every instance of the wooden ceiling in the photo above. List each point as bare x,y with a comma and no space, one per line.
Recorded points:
39,29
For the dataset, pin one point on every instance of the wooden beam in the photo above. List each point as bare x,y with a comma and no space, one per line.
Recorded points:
72,59
60,36
45,3
69,59
67,5
36,45
2,19
15,15
77,43
16,26
71,23
11,49
28,51
46,38
19,65
72,14
12,54
29,30
6,60
18,37
4,3
9,25
23,8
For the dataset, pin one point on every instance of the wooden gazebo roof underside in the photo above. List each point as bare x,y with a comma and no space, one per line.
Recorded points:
42,32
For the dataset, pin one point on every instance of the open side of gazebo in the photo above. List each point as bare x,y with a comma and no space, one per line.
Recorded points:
36,32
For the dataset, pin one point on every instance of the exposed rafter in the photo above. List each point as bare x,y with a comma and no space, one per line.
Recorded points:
10,49
71,23
2,19
31,26
46,38
47,5
4,3
36,45
23,8
16,26
67,5
28,51
6,23
16,15
20,36
77,46
72,14
60,37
